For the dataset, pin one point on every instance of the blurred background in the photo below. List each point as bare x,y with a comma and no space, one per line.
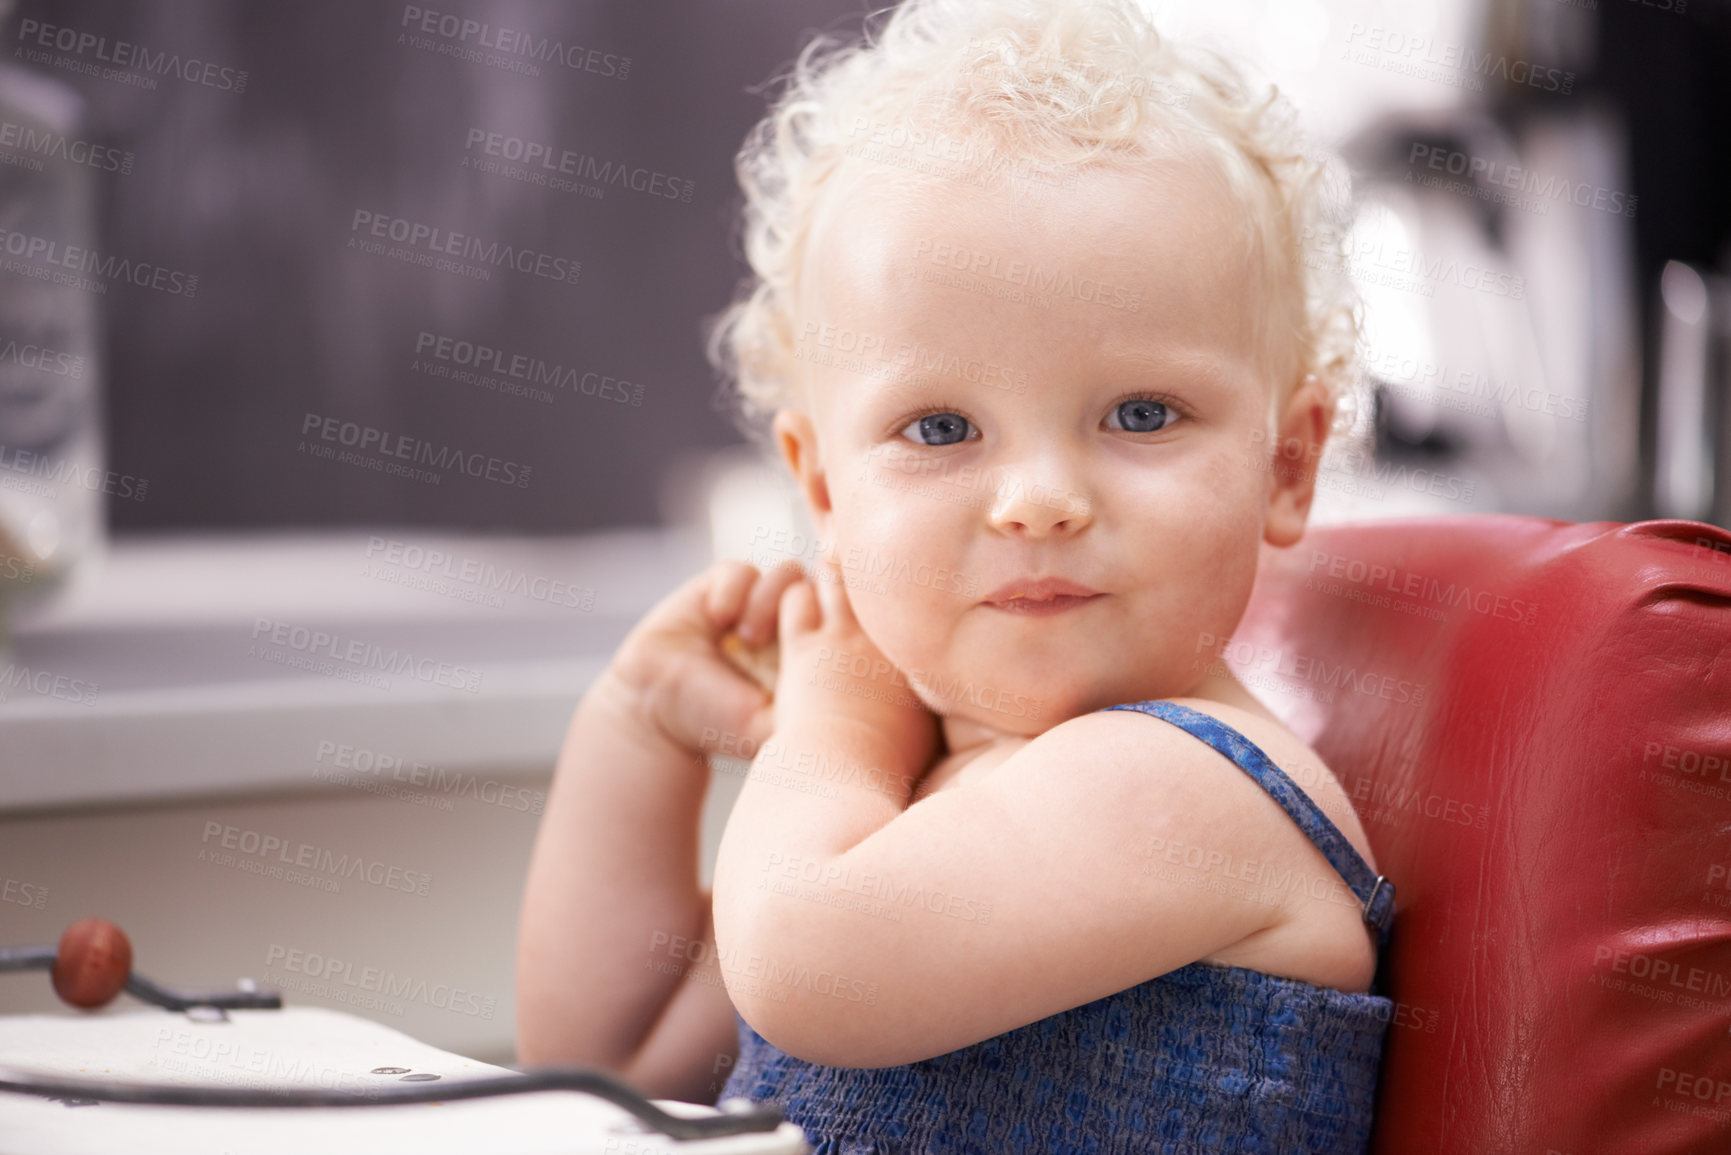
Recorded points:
302,350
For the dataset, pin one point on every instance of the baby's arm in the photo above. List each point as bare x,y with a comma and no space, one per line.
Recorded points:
847,753
612,912
991,905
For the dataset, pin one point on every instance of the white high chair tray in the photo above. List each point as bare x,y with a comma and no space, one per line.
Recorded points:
304,1047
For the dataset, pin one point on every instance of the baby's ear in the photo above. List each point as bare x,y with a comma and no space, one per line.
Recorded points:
796,437
1300,434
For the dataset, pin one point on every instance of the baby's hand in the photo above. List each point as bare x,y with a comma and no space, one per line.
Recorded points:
673,665
831,669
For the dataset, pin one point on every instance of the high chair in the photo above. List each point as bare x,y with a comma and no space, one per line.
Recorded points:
1533,720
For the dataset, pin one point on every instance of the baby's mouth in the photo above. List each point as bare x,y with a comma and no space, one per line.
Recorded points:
1040,607
1048,594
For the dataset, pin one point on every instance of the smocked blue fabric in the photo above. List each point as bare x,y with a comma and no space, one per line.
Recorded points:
1202,1059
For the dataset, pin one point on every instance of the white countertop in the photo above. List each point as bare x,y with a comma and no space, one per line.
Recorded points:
306,1048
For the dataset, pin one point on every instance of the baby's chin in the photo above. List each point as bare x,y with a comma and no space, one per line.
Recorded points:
1009,705
989,680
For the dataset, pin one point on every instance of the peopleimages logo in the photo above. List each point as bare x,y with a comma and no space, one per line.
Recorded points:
373,767
518,367
876,355
47,684
34,36
366,439
459,33
42,358
1370,258
23,893
259,844
334,976
1396,579
46,144
52,470
423,244
1043,283
545,164
1462,61
483,575
65,263
854,673
363,655
1543,186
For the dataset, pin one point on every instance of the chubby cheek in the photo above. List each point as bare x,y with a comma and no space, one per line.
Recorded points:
1195,551
1213,567
923,613
1199,609
902,557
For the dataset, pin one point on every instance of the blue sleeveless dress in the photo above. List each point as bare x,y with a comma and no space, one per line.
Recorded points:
1205,1058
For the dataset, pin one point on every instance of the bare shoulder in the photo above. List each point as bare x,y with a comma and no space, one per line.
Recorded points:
1176,811
1299,762
1320,936
1170,757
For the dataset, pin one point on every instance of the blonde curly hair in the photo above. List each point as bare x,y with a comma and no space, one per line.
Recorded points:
1006,83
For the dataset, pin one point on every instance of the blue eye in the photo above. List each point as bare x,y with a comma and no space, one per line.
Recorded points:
939,429
1140,415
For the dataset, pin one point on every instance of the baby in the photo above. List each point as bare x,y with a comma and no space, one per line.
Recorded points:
1016,866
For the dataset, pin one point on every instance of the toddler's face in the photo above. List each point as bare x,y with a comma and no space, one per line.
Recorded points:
1062,383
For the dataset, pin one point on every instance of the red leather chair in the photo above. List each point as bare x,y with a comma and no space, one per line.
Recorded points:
1533,718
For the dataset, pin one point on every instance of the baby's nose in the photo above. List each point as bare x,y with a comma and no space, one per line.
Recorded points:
1039,507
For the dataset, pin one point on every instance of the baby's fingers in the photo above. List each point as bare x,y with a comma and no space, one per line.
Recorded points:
799,610
832,595
757,624
726,585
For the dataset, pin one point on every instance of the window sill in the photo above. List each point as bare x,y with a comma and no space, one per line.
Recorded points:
179,667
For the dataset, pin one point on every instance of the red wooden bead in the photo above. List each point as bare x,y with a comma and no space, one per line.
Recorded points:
91,963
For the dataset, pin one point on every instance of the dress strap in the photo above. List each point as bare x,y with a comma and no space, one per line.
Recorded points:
1372,889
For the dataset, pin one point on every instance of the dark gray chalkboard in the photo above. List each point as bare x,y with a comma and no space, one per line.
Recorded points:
370,106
